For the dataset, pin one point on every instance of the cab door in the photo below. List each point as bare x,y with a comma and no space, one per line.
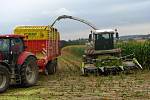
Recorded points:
17,47
5,49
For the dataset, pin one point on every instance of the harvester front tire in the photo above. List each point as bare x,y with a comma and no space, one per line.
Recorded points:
4,79
29,72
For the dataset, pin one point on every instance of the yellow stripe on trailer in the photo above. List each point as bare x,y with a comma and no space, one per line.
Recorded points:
37,32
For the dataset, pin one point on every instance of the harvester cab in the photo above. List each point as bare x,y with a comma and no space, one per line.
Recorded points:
103,39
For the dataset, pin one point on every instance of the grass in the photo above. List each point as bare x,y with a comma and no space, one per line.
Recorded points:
68,84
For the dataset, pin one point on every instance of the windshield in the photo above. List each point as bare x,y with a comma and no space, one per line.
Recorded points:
4,45
101,36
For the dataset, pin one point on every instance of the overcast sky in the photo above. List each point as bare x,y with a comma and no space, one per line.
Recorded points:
128,16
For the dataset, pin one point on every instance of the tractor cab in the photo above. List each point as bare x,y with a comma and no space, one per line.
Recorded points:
103,39
10,47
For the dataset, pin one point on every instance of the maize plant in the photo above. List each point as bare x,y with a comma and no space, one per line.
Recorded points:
141,50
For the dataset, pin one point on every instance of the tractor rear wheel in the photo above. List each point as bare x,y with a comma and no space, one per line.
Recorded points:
29,72
4,78
51,67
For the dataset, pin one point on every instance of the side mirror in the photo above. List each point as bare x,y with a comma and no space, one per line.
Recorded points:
90,37
117,35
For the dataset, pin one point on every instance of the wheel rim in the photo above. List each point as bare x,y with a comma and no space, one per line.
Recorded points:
30,72
2,80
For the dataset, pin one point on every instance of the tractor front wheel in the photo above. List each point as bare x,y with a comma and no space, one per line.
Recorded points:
4,78
29,72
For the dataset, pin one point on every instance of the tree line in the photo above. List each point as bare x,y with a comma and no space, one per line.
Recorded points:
73,42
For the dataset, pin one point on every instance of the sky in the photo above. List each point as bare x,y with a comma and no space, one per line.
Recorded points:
128,16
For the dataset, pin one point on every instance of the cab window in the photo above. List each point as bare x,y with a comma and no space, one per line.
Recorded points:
4,45
105,36
16,45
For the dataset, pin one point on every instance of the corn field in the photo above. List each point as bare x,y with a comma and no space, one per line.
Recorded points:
141,50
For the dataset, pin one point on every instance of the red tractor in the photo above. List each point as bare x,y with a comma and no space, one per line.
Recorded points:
30,50
16,63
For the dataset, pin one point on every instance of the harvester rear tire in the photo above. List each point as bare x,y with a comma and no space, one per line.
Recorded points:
51,67
4,78
29,72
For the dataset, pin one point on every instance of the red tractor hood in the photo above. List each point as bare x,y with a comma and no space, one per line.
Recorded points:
11,36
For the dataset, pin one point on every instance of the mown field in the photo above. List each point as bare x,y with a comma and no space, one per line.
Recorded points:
68,84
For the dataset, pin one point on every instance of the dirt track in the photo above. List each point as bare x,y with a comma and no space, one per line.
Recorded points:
68,84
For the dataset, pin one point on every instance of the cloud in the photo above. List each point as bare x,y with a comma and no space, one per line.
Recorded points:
129,7
63,11
132,29
103,13
75,35
58,12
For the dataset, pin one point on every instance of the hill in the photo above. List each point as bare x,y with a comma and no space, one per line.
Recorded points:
135,37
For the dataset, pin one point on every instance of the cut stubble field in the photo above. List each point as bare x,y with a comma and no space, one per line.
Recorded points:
68,84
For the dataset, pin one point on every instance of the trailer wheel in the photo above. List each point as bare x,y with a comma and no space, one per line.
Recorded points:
4,78
29,72
51,67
